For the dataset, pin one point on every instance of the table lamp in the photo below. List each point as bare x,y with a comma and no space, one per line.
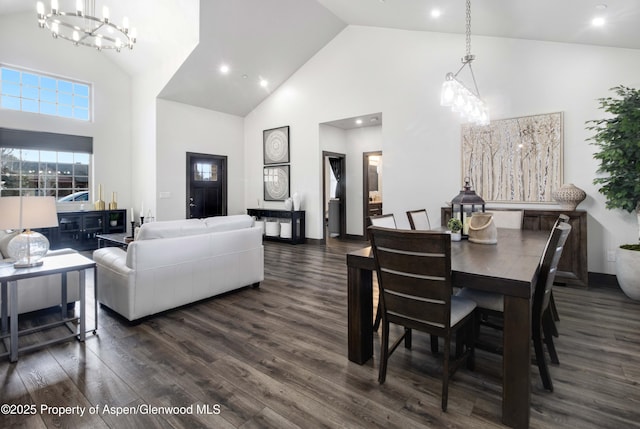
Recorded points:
29,247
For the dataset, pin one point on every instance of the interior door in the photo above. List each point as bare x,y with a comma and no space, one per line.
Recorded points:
206,185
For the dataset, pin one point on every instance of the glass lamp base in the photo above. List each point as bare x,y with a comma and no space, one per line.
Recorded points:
28,249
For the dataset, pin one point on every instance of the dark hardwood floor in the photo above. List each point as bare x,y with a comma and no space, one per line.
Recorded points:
276,356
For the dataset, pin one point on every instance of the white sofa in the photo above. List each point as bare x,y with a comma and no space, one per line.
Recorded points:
174,263
40,292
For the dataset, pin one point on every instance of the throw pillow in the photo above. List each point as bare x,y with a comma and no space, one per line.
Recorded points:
5,238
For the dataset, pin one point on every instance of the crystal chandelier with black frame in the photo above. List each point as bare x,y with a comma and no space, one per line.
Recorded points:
82,27
459,97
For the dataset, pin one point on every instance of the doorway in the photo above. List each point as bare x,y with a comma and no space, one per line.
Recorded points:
372,185
206,185
334,192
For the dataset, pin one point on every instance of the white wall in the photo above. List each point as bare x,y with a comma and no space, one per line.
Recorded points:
146,87
24,45
399,73
183,128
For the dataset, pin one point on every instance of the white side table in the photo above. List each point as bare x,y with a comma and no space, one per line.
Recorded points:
61,264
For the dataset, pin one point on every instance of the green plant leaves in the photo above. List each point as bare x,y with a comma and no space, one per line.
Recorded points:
618,140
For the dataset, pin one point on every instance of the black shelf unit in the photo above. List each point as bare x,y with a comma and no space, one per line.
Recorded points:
297,223
78,229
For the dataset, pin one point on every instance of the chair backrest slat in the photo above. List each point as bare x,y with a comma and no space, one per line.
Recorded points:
419,219
548,267
414,275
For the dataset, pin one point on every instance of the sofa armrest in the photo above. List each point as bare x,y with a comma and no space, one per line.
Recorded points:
64,251
114,258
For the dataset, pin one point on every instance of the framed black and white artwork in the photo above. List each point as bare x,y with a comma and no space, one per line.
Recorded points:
276,183
276,145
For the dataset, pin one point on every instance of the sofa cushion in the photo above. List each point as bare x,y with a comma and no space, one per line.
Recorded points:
5,238
171,228
228,223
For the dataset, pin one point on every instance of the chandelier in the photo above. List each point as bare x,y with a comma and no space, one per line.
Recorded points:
82,27
456,95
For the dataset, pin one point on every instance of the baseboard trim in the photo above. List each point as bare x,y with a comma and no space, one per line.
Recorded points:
602,279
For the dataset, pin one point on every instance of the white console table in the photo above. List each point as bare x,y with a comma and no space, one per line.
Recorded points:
61,264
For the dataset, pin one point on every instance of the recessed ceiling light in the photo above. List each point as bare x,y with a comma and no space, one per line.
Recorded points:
598,21
224,69
358,121
264,83
436,13
374,119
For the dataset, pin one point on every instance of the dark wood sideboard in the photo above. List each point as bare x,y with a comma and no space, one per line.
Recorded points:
572,268
78,229
297,223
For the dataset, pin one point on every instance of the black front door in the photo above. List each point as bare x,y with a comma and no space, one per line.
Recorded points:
206,185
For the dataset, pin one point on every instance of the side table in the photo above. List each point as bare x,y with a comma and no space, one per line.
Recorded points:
61,264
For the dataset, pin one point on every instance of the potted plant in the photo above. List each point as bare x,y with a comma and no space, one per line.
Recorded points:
618,140
455,226
113,219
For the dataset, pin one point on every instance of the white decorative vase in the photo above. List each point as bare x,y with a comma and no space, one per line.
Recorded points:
296,201
288,204
482,229
628,272
456,236
568,196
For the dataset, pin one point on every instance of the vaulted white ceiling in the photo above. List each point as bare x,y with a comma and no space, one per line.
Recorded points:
271,39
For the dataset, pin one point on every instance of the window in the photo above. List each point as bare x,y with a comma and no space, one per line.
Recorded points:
64,175
36,93
38,163
206,172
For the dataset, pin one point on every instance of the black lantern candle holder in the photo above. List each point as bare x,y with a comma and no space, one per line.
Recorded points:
465,204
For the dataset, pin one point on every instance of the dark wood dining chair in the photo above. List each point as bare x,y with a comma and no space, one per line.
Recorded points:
419,219
385,221
414,279
491,305
555,316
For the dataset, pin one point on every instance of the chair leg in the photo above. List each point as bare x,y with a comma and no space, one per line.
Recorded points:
470,332
384,353
434,344
445,374
554,309
376,322
407,338
547,328
541,361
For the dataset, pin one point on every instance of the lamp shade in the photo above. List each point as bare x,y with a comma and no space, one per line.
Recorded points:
39,212
10,213
28,212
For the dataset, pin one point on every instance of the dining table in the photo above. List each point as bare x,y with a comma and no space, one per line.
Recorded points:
509,267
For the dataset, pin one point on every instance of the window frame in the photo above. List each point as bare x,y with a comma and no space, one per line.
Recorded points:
45,94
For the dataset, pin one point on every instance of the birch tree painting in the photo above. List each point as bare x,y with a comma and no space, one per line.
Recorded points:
514,160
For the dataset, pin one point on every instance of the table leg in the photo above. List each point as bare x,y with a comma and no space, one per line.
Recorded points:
83,322
13,291
516,389
360,315
64,312
95,299
5,308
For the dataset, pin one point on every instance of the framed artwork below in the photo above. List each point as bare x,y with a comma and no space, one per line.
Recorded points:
276,183
276,145
515,160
